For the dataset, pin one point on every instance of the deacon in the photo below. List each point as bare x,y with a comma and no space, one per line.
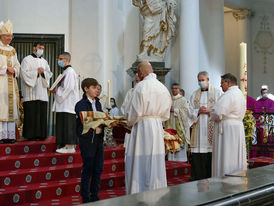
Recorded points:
35,76
229,150
9,96
201,103
180,121
145,158
65,99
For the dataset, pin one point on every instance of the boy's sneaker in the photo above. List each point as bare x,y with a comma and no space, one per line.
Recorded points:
65,150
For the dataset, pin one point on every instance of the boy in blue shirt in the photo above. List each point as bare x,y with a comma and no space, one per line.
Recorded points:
90,144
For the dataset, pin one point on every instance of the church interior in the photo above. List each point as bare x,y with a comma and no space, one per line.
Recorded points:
104,38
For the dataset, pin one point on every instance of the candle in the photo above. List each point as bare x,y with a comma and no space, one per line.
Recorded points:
109,94
243,68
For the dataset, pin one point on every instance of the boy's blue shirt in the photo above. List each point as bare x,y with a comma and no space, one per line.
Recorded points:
84,105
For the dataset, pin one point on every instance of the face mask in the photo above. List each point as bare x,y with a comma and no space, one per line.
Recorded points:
112,104
39,52
60,63
265,95
202,84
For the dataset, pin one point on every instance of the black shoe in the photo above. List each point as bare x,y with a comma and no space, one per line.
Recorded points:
9,141
94,198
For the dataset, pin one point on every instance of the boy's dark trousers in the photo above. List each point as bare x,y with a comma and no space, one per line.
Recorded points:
92,152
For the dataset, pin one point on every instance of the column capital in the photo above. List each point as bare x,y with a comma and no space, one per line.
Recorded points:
241,14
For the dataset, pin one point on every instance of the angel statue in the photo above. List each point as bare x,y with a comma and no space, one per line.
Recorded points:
158,28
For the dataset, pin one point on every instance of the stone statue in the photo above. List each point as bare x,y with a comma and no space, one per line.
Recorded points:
158,28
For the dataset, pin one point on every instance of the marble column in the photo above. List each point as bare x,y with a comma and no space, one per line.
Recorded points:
189,45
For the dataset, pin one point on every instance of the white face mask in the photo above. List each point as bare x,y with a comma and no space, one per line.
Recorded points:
265,95
39,52
202,84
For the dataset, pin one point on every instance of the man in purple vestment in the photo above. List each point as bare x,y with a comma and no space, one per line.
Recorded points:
264,114
250,103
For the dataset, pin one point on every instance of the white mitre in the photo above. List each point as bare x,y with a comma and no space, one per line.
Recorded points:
6,28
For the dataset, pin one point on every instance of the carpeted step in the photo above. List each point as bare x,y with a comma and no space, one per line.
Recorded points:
259,161
28,147
76,199
32,173
46,174
104,194
34,161
177,180
54,189
13,162
174,169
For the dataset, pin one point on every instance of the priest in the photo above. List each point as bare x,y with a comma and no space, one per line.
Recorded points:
9,96
229,149
145,159
201,103
35,77
180,121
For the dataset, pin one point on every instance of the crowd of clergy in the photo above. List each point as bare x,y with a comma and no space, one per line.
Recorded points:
209,124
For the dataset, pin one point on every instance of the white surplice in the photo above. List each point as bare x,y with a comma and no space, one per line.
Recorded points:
145,158
203,145
34,86
67,94
229,147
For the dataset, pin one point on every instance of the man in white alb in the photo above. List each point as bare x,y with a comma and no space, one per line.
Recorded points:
229,149
201,103
145,158
35,76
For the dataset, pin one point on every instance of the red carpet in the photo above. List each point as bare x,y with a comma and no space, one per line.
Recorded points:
31,173
260,162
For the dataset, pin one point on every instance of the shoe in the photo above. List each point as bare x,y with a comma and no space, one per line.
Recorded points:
65,150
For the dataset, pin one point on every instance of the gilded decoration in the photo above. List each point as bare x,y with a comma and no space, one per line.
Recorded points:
241,14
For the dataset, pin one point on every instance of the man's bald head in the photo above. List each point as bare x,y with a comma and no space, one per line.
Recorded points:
144,69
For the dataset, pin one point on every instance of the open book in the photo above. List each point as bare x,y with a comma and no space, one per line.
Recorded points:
57,81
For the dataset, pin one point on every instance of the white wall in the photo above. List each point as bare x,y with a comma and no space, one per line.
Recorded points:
104,42
37,16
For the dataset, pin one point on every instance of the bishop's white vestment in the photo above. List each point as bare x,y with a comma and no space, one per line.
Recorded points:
229,149
145,158
9,96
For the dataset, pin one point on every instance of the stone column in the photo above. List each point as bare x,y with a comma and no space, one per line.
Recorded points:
189,45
